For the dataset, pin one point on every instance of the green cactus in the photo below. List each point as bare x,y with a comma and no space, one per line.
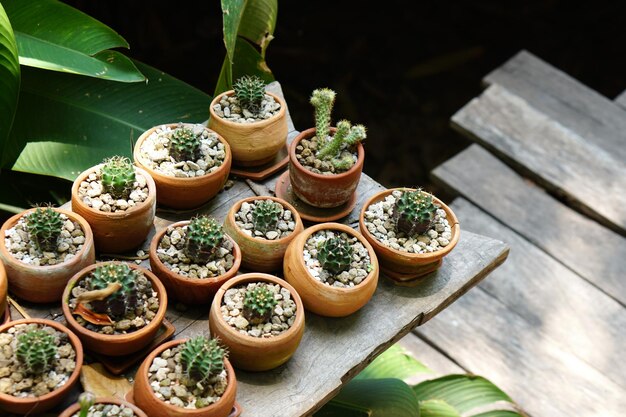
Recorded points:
250,92
121,302
265,215
85,400
204,236
333,147
344,163
414,212
258,304
335,255
44,227
202,359
345,136
322,99
118,177
36,350
184,144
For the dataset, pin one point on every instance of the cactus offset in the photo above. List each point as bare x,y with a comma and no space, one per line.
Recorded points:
85,400
265,215
44,227
335,255
184,144
414,212
250,92
36,350
333,147
202,359
322,99
258,304
121,302
204,236
118,177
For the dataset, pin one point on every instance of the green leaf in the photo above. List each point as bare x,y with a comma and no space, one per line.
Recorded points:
54,36
498,413
258,22
232,11
9,77
395,362
65,124
249,62
437,408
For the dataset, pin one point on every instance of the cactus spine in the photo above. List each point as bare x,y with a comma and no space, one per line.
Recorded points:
204,236
202,359
250,92
118,177
44,227
322,99
184,144
258,304
335,255
36,350
121,302
414,212
265,215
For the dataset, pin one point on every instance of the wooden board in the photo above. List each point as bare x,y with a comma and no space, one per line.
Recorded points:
591,250
621,99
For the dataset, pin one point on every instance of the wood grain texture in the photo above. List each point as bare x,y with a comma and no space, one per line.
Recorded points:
589,177
591,250
621,99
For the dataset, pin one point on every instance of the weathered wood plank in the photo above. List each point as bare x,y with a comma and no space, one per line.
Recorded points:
621,99
591,250
558,158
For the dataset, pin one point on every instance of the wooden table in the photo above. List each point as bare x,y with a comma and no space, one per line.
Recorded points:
332,350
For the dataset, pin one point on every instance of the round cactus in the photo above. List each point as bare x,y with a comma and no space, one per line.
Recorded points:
322,99
202,359
118,177
44,226
250,92
414,212
204,236
36,350
184,144
266,215
121,302
258,304
335,255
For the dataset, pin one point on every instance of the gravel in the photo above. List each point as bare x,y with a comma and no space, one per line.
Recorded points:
243,219
305,153
92,194
228,108
108,410
380,224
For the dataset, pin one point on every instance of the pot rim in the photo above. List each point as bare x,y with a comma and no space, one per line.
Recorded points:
248,126
107,400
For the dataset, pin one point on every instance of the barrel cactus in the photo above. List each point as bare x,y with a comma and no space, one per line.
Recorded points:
203,237
335,255
121,302
414,212
266,215
202,359
44,227
184,144
118,177
36,350
258,304
250,92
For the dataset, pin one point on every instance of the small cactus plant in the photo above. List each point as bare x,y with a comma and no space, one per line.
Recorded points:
202,359
322,99
121,302
414,212
250,92
335,255
258,304
266,215
118,177
44,226
85,400
184,144
204,236
36,350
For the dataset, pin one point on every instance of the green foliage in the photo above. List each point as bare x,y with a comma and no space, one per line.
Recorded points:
250,92
44,228
85,400
36,350
9,77
258,304
118,176
184,144
202,359
121,302
266,215
414,212
335,255
204,236
322,100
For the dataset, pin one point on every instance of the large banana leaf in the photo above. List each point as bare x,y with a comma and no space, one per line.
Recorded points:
437,408
395,362
258,22
9,77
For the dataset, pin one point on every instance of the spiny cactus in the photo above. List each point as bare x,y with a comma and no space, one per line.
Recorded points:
184,144
414,212
265,215
250,92
333,147
121,302
36,350
335,255
258,304
202,359
117,176
44,226
204,236
85,400
322,99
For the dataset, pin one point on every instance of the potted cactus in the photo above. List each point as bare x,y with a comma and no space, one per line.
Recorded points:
253,121
263,227
118,201
410,230
325,163
41,363
41,248
90,406
260,318
188,162
194,258
115,308
333,268
203,381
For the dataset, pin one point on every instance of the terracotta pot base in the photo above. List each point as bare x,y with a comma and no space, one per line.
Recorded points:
412,279
6,317
237,409
261,172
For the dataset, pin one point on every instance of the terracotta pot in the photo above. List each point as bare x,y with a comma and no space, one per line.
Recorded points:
256,143
146,400
190,290
45,284
405,266
261,254
321,298
257,353
185,193
37,405
115,344
3,291
75,408
323,190
121,231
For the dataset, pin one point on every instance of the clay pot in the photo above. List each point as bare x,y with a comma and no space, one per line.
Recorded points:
256,353
146,400
120,231
259,254
321,298
185,193
190,290
45,284
3,291
37,405
323,190
256,143
115,344
75,408
405,266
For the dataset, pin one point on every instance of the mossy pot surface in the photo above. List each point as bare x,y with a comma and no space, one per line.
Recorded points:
75,408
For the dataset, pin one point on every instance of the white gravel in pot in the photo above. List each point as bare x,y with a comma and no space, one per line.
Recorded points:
91,192
228,108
